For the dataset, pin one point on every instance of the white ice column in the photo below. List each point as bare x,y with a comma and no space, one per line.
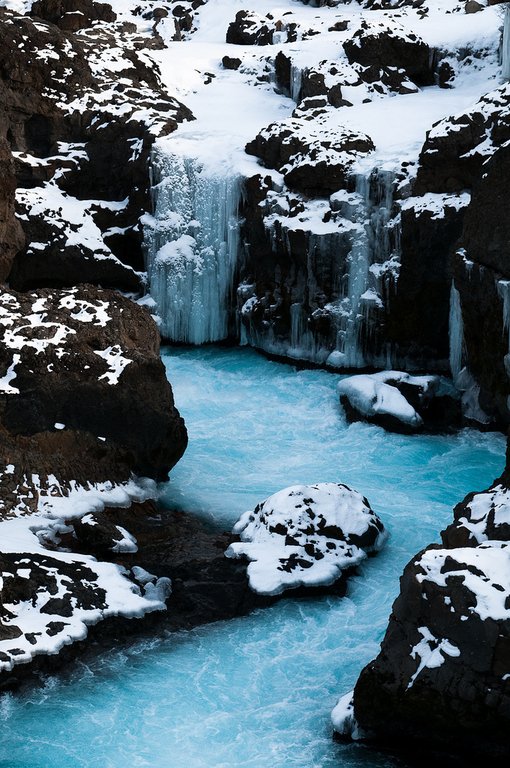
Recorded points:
371,245
192,242
505,54
456,333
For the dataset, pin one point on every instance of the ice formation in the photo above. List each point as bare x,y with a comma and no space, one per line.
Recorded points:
192,243
456,333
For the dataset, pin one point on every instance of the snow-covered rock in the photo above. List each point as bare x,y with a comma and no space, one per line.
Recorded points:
400,402
479,518
441,677
313,156
306,535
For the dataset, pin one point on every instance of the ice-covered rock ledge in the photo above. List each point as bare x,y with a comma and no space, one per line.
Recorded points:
400,402
442,677
306,536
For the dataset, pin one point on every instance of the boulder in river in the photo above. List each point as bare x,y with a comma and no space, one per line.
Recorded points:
306,536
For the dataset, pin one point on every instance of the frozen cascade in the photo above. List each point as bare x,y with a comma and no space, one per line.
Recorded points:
351,262
505,52
192,242
456,333
371,246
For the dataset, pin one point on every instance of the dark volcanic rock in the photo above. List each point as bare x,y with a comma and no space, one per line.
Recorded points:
481,269
87,361
71,15
480,517
314,159
247,29
11,234
206,586
418,317
440,679
67,118
379,45
455,149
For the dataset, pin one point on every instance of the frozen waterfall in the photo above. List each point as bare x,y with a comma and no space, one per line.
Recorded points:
505,51
456,333
192,242
371,250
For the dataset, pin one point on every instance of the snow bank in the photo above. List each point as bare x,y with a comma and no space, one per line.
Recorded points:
306,535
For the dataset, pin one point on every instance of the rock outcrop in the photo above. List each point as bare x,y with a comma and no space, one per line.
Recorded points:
81,367
401,403
440,680
81,137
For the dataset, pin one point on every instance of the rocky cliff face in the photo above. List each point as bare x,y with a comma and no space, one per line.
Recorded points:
81,110
441,678
349,264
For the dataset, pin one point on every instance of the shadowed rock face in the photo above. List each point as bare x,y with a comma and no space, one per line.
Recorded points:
11,234
440,679
86,360
378,45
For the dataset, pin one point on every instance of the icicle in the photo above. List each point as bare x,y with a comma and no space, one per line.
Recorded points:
456,333
296,77
192,244
505,51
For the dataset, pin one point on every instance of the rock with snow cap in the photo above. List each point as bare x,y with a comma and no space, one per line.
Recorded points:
72,365
378,44
479,518
441,679
306,536
400,402
81,111
314,158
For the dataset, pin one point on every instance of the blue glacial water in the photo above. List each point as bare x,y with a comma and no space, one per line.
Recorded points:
255,692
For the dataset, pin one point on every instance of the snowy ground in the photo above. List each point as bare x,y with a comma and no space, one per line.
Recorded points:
235,105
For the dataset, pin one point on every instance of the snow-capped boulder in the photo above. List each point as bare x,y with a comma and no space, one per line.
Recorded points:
250,28
306,536
314,156
441,676
381,45
479,518
456,147
400,402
